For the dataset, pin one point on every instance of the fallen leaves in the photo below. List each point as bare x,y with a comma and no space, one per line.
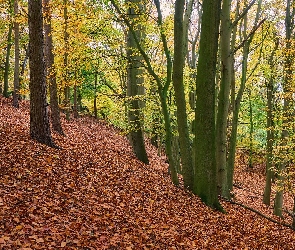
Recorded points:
94,194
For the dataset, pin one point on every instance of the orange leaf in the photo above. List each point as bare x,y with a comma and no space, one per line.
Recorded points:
63,244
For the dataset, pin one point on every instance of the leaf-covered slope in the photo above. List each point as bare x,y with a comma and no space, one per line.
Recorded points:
94,194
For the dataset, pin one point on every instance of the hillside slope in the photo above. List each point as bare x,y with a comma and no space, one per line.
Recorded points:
94,194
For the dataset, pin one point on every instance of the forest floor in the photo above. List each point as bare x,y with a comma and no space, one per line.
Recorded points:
94,194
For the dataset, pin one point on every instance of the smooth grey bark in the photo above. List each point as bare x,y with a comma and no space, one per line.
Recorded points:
135,83
182,122
39,121
223,98
205,182
50,70
16,83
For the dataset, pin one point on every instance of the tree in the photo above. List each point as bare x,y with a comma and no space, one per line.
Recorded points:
223,98
7,63
162,84
66,63
135,81
16,57
182,123
39,121
50,70
270,125
246,40
287,106
205,182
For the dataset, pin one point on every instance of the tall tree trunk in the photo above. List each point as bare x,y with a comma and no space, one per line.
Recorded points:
39,121
269,129
236,102
163,86
95,95
250,161
182,123
66,41
7,63
50,70
235,119
168,139
223,98
205,182
16,58
76,115
287,108
135,83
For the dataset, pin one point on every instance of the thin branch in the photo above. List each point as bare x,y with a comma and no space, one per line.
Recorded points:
249,36
260,55
259,213
165,45
243,14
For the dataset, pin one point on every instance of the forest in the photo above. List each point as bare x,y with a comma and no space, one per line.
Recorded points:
147,124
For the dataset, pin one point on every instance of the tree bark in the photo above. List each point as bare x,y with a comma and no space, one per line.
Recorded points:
16,58
39,122
205,182
287,108
65,73
135,84
269,131
50,70
236,101
223,98
162,85
95,95
182,123
75,107
7,63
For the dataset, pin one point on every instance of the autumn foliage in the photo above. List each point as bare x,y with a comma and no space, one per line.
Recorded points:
94,194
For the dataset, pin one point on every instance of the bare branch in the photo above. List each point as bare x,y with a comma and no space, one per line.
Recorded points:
249,36
243,13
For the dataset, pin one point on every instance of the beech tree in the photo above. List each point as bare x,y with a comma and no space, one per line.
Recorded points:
246,39
39,121
287,107
180,39
162,84
270,82
135,81
66,63
205,182
50,70
7,61
16,57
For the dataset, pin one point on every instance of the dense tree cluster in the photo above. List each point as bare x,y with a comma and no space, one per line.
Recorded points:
200,79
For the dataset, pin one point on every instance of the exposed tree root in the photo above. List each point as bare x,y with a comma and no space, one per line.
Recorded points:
257,212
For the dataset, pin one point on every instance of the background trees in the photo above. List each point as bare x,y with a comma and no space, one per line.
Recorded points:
93,68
